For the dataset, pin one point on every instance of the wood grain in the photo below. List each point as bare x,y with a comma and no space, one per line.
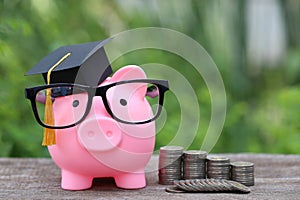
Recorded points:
276,177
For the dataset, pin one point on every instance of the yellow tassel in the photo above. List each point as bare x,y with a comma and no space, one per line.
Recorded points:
49,134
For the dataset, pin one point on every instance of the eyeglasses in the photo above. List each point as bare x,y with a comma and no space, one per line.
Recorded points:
132,102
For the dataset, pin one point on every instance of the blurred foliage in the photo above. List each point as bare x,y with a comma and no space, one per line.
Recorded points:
262,108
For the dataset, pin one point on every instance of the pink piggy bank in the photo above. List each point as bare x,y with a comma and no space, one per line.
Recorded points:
100,146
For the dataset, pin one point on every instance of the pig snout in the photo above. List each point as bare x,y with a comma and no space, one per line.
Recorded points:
99,134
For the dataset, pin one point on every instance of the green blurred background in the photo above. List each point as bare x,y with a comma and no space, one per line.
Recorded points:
254,43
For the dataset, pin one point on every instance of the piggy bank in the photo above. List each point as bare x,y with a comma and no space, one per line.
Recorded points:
100,146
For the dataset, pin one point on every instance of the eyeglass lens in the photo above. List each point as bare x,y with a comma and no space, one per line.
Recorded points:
133,102
69,104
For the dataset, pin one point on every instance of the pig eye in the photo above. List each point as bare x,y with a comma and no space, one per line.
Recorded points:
123,102
75,103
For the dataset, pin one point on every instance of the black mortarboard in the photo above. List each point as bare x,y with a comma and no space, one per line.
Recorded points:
87,64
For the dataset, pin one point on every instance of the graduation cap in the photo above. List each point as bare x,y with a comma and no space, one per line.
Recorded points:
85,64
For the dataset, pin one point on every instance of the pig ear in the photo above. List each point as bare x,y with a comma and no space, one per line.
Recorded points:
128,72
131,72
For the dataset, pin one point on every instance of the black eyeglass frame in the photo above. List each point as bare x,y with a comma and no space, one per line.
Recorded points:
30,93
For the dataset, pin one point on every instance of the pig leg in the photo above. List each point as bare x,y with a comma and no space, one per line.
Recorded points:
74,181
131,180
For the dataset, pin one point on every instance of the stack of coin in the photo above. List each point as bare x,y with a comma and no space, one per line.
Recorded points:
194,164
169,164
218,167
243,172
207,185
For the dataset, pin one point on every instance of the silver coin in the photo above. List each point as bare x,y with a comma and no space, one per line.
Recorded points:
218,159
240,187
242,164
174,189
210,185
191,185
170,149
181,184
199,184
194,154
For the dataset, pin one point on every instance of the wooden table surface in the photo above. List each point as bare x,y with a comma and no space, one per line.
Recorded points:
276,177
